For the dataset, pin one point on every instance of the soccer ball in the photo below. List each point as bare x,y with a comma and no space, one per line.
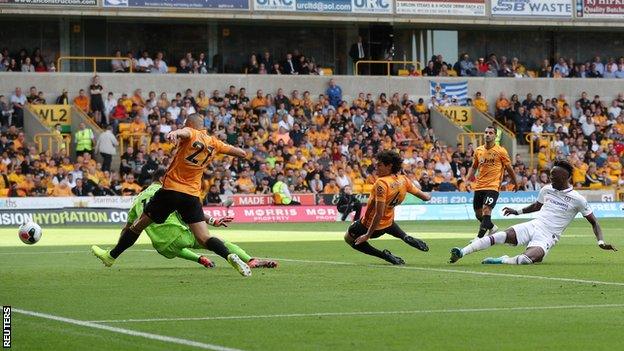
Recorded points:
29,233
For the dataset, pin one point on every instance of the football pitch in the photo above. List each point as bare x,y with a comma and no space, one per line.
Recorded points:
323,296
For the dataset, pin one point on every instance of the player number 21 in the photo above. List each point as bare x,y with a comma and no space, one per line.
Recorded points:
200,147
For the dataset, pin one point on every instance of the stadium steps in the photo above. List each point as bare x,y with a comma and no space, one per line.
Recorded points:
78,116
481,120
445,129
34,125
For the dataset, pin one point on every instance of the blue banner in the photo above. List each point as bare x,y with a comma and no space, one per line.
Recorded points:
465,211
505,197
181,4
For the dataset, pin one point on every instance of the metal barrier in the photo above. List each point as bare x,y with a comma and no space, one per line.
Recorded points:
53,139
387,63
499,125
91,58
474,138
542,138
132,139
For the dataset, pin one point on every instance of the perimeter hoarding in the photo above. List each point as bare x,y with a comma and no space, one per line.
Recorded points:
180,4
68,3
532,8
441,7
320,6
600,9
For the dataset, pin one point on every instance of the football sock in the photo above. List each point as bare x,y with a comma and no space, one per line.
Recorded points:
235,249
486,224
368,249
520,259
484,243
188,255
215,245
126,239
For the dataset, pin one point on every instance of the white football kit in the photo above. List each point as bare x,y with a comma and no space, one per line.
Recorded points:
558,210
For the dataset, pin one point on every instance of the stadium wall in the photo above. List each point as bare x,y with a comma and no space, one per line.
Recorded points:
53,83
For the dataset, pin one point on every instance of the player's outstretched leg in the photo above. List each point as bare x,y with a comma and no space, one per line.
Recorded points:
103,255
216,245
252,262
531,255
397,232
508,236
368,249
187,254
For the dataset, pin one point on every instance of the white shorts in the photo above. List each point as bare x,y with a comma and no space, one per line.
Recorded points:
532,235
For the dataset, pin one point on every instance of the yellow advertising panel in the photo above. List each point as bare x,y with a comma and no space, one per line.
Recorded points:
53,114
460,115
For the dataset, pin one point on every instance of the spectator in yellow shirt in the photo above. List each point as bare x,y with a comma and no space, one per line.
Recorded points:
61,189
129,186
82,101
331,187
480,103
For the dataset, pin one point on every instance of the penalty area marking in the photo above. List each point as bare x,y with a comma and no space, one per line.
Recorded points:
364,313
163,338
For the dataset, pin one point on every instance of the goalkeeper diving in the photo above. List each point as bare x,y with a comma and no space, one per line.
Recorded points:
173,238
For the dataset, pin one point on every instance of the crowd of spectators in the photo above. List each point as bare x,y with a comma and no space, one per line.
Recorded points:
588,131
295,63
318,144
494,66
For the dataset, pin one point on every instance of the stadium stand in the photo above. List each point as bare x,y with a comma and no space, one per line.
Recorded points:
316,142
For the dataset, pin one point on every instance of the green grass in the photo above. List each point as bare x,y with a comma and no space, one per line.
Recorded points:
59,276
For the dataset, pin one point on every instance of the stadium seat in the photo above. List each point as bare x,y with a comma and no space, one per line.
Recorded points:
4,192
403,72
327,71
172,70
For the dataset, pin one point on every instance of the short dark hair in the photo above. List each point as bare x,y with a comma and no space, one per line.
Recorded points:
390,158
158,173
565,165
491,127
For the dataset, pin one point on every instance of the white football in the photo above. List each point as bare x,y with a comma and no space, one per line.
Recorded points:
29,233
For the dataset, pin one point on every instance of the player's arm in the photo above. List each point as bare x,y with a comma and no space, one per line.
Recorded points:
218,222
534,207
183,133
473,169
412,189
598,233
512,175
235,151
379,207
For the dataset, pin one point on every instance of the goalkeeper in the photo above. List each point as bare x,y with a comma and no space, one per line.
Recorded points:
173,238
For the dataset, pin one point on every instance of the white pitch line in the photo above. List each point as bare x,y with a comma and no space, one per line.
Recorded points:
163,338
362,313
64,252
444,270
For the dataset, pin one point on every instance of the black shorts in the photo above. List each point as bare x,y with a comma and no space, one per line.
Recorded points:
357,229
484,198
165,202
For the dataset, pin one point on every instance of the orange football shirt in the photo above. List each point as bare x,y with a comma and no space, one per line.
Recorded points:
192,156
490,164
390,191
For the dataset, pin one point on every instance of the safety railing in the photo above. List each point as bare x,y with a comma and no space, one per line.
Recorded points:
94,60
388,64
541,139
55,142
132,139
466,138
87,119
499,125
